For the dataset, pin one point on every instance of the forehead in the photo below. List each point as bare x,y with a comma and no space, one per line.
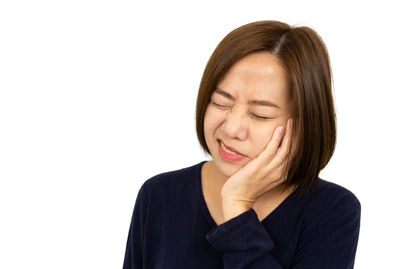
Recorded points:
257,75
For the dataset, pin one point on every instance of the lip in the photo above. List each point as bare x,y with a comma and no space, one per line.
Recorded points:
230,148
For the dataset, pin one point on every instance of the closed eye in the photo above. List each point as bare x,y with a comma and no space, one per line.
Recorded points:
254,115
219,105
260,117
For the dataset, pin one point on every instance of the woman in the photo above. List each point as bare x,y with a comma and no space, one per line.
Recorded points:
260,202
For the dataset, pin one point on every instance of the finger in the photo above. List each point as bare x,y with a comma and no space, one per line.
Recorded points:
291,146
278,173
277,179
269,153
281,155
283,150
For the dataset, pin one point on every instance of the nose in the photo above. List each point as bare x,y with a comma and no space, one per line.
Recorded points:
236,124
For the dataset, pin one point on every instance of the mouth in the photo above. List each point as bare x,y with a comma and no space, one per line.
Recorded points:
229,149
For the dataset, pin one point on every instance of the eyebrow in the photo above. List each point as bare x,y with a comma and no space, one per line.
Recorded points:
253,102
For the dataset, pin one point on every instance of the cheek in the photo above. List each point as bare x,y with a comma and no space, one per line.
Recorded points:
212,120
262,136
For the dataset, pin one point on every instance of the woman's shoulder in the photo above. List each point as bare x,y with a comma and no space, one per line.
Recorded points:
329,199
334,193
174,178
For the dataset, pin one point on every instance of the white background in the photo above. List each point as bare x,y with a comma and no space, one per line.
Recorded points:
98,96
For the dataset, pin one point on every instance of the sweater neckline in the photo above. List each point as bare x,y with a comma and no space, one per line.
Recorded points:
206,213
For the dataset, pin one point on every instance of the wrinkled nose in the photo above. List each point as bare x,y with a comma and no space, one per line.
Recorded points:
236,123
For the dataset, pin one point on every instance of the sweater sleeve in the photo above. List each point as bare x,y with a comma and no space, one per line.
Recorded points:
134,246
246,243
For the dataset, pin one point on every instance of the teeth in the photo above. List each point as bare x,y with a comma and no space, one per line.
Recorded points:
227,150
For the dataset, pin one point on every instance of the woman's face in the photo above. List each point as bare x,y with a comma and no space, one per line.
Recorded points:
232,118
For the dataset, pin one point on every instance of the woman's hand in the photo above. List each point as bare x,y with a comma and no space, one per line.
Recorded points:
258,176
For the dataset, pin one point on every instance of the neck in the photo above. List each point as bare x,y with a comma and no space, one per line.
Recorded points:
212,176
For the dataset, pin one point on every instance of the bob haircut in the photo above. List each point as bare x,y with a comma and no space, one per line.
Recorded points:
305,59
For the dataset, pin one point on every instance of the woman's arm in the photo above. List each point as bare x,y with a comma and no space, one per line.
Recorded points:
329,241
134,250
245,243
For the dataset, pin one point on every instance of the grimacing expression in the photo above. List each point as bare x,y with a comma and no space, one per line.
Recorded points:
250,101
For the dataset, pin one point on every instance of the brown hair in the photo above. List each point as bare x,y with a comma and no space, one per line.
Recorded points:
305,58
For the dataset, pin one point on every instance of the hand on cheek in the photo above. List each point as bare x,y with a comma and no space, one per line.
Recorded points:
258,176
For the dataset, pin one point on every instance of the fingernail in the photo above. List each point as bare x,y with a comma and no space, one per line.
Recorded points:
280,129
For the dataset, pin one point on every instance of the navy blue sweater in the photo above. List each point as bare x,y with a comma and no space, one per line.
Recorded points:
171,227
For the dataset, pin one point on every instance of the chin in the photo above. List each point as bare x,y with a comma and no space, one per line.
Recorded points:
227,169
